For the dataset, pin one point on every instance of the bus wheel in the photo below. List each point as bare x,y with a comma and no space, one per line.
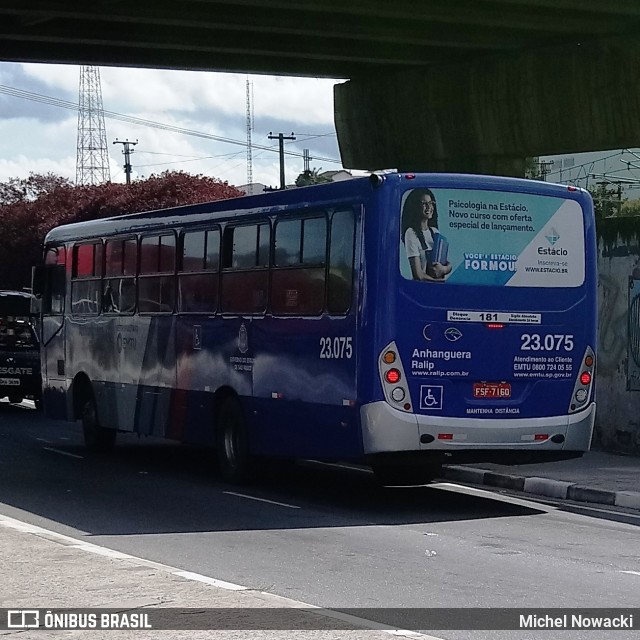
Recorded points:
232,443
399,475
96,438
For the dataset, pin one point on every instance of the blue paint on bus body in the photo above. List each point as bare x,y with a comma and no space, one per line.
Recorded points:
313,385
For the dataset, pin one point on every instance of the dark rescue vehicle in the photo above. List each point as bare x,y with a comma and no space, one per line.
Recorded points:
19,349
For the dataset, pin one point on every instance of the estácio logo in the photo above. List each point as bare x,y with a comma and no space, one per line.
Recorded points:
552,238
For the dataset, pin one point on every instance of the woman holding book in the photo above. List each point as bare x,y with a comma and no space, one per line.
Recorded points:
422,240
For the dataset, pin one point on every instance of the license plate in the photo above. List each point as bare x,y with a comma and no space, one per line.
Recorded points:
495,390
10,382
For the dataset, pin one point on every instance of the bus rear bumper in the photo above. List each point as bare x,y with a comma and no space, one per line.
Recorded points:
386,430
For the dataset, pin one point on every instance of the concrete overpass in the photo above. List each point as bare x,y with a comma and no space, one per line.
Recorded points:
462,85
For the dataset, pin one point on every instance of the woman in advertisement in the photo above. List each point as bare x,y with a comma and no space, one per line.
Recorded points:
421,236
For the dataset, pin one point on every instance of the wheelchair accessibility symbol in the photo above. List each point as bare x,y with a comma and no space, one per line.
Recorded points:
431,397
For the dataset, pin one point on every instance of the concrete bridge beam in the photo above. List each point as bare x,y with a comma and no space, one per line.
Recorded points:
487,116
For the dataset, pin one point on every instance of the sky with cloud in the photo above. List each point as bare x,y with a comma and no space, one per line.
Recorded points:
39,137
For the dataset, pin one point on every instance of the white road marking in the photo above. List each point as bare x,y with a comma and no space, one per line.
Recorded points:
635,573
18,525
44,440
198,577
244,495
63,453
343,465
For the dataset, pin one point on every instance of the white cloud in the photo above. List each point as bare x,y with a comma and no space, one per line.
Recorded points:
58,76
15,167
212,103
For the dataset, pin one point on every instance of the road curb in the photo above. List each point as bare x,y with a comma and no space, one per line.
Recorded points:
628,499
547,487
463,474
580,493
544,487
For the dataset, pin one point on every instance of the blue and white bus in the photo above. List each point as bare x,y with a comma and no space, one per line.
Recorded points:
401,320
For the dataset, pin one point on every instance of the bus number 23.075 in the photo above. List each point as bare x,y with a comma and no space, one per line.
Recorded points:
550,342
336,347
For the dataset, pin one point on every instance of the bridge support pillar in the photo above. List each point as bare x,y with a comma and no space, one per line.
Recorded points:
488,115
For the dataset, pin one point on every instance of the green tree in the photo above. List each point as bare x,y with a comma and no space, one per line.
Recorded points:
630,208
311,176
532,168
607,200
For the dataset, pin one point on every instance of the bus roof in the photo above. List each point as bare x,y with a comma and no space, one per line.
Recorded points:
273,202
303,197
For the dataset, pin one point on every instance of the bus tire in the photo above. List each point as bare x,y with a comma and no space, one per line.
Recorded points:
232,443
97,439
399,475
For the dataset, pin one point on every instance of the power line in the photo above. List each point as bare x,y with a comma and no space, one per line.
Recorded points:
229,156
303,137
587,168
603,170
65,104
177,155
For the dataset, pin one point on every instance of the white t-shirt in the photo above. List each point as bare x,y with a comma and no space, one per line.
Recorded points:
414,248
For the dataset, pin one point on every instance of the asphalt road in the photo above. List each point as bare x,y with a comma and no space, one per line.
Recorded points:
321,534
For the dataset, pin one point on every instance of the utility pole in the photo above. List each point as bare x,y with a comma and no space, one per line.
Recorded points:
281,138
127,156
545,167
306,159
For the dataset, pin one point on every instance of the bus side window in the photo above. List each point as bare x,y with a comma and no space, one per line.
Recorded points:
245,261
119,294
86,272
156,284
341,252
198,271
298,278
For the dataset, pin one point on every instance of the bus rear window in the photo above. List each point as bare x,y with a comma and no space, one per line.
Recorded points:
495,238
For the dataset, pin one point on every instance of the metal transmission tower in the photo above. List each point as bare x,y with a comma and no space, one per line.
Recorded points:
249,130
92,158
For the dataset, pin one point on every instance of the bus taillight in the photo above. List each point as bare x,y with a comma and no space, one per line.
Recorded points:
389,357
582,388
393,376
394,382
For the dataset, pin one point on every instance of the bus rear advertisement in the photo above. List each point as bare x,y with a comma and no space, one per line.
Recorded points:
401,320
